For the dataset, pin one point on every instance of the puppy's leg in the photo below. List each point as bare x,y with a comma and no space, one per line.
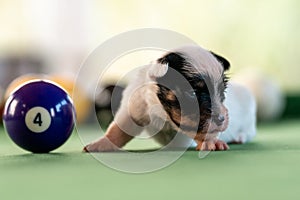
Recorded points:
114,139
129,122
119,132
210,142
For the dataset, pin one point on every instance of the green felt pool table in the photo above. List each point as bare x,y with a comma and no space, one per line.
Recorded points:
268,167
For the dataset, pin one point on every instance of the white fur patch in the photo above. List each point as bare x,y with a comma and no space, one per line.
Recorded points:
157,70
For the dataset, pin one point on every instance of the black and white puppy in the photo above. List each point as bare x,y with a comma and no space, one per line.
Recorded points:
181,98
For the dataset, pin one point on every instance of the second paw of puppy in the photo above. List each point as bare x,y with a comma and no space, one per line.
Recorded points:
101,145
212,145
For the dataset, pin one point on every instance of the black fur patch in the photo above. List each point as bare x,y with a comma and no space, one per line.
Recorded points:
174,60
225,63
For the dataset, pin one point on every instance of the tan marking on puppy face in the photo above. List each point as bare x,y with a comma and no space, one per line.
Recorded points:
171,96
175,115
184,121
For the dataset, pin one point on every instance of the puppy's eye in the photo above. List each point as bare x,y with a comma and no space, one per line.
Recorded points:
191,94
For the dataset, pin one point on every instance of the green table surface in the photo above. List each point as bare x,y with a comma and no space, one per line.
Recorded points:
268,167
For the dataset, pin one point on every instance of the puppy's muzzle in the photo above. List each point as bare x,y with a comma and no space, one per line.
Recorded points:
219,119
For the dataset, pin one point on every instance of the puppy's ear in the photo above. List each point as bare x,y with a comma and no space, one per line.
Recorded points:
225,63
157,70
160,68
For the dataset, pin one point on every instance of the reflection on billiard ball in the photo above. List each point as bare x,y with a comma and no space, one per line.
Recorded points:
82,102
39,116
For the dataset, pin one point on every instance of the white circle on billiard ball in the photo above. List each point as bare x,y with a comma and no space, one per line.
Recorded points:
38,119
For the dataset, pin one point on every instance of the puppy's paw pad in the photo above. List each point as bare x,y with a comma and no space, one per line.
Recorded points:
221,145
217,145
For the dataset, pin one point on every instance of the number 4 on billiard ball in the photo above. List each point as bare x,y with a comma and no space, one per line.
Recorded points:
38,119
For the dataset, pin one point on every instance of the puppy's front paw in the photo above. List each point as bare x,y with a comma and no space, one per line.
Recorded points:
212,145
101,145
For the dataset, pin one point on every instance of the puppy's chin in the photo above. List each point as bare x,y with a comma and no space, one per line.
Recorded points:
209,130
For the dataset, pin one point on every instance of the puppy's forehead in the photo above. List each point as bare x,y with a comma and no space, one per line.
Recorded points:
201,61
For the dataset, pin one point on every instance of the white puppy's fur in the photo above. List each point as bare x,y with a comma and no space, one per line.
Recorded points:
241,107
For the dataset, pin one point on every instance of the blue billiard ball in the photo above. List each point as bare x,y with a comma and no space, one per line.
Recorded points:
39,116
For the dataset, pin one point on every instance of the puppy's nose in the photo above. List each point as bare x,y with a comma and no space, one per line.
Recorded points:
219,119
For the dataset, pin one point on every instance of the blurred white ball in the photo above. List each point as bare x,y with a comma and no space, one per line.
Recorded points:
269,96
